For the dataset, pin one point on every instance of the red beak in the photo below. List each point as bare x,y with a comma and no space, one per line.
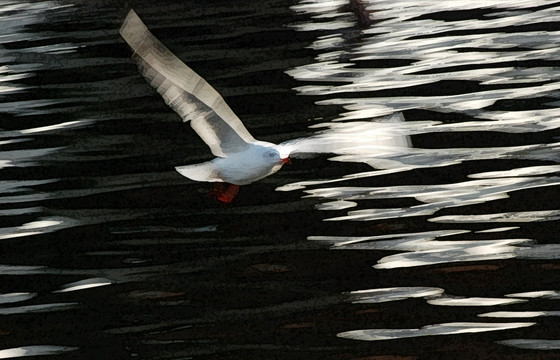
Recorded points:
286,161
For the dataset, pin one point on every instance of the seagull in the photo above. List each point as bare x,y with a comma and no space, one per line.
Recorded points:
240,158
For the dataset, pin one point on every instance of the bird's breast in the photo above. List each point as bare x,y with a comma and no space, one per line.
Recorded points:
246,167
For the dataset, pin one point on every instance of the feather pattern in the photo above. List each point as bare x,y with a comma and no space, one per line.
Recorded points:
185,91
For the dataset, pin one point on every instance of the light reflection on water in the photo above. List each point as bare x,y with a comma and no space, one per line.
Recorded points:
431,330
536,344
34,350
400,37
411,76
437,52
423,249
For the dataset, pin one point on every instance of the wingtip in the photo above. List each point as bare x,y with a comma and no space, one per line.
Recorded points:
130,15
132,29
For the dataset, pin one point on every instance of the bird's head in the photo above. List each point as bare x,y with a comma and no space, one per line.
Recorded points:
274,156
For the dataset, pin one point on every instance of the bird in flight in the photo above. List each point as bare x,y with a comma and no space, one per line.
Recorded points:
240,158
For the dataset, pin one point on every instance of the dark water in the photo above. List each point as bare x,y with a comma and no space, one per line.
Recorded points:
445,249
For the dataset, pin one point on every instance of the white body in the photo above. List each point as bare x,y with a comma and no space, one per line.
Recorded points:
256,162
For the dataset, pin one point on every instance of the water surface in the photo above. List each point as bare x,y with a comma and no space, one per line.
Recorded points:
429,227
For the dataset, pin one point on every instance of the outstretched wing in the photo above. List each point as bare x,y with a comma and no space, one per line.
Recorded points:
382,137
184,91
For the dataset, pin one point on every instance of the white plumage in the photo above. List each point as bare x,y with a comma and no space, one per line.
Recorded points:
240,159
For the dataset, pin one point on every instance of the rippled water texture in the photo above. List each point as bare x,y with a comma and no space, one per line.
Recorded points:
421,223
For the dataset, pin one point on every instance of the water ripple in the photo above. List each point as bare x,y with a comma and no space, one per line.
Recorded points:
473,301
423,249
519,314
393,294
535,344
84,284
441,123
15,297
431,330
42,308
547,294
35,350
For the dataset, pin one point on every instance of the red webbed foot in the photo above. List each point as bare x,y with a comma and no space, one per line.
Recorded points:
224,192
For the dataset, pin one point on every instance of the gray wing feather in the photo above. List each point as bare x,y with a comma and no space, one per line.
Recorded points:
185,91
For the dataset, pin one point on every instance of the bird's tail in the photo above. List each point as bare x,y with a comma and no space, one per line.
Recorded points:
205,171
